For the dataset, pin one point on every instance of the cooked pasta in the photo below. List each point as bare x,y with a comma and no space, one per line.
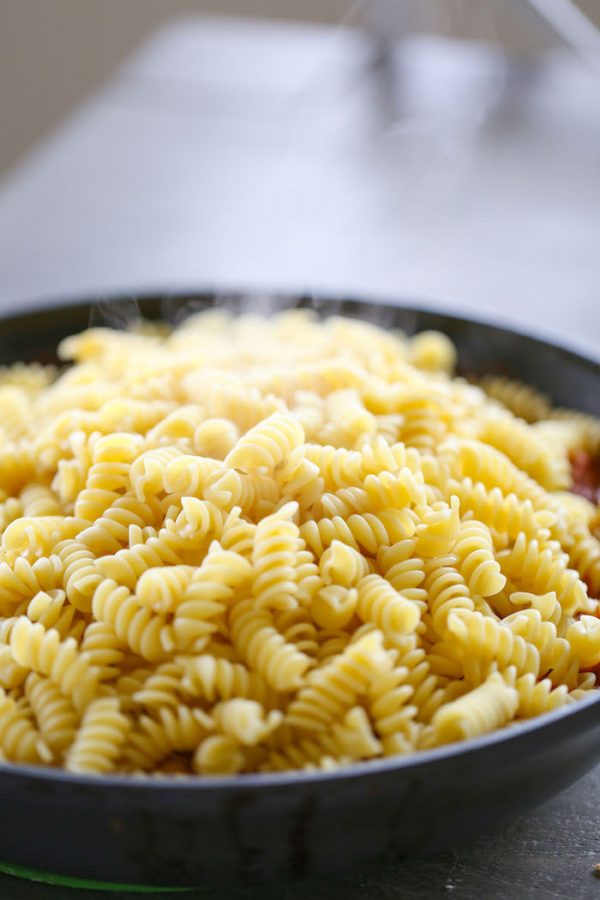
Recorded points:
100,739
254,544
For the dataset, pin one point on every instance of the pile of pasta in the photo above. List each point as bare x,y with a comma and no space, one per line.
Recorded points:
259,544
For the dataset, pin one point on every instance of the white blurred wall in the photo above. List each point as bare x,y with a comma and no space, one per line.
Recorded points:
54,52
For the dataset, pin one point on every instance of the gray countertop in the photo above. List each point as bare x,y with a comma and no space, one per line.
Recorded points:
275,158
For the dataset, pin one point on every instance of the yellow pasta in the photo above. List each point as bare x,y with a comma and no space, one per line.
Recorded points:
252,544
100,739
55,714
489,706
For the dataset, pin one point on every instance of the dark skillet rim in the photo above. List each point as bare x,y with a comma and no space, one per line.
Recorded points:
252,781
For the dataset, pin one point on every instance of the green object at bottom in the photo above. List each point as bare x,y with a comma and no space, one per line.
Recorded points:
67,881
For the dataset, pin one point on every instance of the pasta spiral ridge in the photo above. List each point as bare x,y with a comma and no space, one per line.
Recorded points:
146,633
19,740
55,714
267,444
81,576
379,603
505,513
480,636
179,730
274,560
43,652
476,562
365,532
545,571
482,710
262,647
219,679
25,579
100,739
447,591
333,690
206,595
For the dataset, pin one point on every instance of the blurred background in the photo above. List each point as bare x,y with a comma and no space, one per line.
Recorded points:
439,149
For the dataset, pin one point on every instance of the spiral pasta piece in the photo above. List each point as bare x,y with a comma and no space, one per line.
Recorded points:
438,530
111,531
146,633
447,591
215,679
43,652
267,444
299,479
505,513
207,594
39,500
343,503
51,610
431,690
481,463
543,634
265,650
81,576
392,713
215,438
584,638
218,754
245,720
105,649
334,606
545,571
162,588
366,532
583,549
338,467
342,565
23,579
539,697
238,534
521,399
36,536
476,562
19,740
54,713
333,690
379,603
488,707
308,578
483,638
528,449
156,736
127,565
187,475
197,521
274,559
100,738
404,571
397,489
163,687
147,474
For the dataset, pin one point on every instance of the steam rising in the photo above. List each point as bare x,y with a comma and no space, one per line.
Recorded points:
124,314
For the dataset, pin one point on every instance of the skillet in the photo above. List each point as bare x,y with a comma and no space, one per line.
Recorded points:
273,827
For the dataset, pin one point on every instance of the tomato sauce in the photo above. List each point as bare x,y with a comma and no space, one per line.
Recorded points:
585,469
